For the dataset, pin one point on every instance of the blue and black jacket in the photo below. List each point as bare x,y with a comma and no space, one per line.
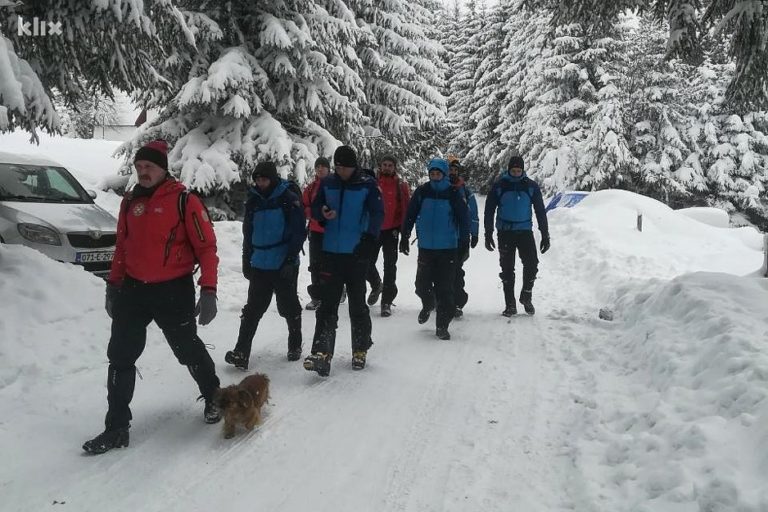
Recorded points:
273,227
359,209
441,216
514,198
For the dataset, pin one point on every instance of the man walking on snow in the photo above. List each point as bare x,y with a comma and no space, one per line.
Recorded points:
273,234
510,201
162,232
441,216
395,195
322,169
348,205
459,285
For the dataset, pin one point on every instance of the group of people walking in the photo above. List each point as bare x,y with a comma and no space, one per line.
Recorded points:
349,216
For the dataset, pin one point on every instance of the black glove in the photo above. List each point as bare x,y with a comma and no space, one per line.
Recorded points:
111,295
206,306
289,268
544,246
474,239
247,269
464,251
489,243
405,245
366,247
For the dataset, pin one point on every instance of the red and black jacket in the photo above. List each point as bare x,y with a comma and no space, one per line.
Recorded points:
154,244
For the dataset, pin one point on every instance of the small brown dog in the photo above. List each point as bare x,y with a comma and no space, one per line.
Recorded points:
242,403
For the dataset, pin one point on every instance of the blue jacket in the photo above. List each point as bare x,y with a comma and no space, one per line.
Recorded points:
441,216
359,209
273,227
514,198
469,197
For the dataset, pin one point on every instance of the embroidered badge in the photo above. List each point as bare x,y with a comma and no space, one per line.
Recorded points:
138,210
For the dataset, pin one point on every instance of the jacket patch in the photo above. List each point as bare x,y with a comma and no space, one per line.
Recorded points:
138,209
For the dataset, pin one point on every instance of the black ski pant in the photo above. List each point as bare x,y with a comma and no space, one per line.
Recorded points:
387,244
263,284
524,243
340,270
315,264
435,274
460,295
171,304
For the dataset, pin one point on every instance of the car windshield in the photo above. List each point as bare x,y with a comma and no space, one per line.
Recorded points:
40,184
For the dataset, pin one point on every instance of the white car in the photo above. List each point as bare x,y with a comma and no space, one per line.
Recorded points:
44,207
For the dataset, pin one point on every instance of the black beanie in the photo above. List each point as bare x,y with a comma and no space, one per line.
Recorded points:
516,161
322,161
345,156
265,170
155,152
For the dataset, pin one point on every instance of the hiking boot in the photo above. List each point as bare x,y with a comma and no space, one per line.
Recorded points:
386,310
510,310
376,290
442,333
458,313
312,305
320,363
358,360
525,300
211,412
424,315
294,354
237,359
116,438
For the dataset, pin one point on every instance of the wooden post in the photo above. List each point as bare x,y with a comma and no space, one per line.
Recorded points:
765,255
640,221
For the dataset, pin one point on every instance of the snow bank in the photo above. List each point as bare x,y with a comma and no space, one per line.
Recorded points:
598,242
685,427
712,216
49,313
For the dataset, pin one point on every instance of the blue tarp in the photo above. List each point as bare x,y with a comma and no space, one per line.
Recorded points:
566,199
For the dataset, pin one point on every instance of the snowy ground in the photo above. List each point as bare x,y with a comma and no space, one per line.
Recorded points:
664,409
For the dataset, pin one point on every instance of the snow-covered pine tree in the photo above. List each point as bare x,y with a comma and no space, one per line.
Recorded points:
401,76
748,22
275,81
462,84
484,143
102,44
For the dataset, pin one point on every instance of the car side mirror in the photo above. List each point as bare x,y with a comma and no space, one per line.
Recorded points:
91,193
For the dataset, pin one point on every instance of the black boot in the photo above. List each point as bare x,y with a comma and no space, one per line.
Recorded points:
525,300
294,338
236,359
376,290
510,310
115,438
320,363
424,315
458,313
358,359
386,310
442,333
211,412
312,305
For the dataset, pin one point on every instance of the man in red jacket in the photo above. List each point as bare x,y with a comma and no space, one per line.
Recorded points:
395,194
162,232
322,169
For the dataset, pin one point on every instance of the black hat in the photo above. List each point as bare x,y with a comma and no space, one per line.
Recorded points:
322,162
345,156
155,152
516,161
265,170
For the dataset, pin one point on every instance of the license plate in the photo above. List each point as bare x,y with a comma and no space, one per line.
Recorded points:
94,257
